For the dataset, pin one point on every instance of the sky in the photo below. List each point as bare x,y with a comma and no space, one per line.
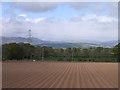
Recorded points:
61,21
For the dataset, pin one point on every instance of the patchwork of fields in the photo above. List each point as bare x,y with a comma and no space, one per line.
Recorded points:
28,74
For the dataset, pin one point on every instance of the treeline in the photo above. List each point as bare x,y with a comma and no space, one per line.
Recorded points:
25,51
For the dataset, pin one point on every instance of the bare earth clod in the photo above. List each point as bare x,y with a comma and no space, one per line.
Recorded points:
26,74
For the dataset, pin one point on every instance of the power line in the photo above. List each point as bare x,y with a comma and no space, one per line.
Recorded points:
29,36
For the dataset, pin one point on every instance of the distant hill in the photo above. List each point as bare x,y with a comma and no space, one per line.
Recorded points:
109,44
68,45
57,44
19,39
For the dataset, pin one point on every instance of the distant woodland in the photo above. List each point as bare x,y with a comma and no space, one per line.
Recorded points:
26,51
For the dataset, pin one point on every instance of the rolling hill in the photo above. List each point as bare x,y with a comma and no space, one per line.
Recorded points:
57,44
19,39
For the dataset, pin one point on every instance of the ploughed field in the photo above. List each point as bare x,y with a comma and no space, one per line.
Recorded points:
28,74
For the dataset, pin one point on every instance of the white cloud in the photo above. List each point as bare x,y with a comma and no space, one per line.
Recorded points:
23,15
98,18
38,20
92,27
102,25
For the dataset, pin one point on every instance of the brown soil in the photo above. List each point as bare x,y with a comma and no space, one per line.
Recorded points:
59,75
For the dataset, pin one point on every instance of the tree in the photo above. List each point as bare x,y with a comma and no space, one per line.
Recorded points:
12,51
116,51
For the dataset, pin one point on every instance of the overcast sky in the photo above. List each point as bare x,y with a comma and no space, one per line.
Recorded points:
61,21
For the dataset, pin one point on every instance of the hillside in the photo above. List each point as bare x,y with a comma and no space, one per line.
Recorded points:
68,45
58,44
19,39
109,43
